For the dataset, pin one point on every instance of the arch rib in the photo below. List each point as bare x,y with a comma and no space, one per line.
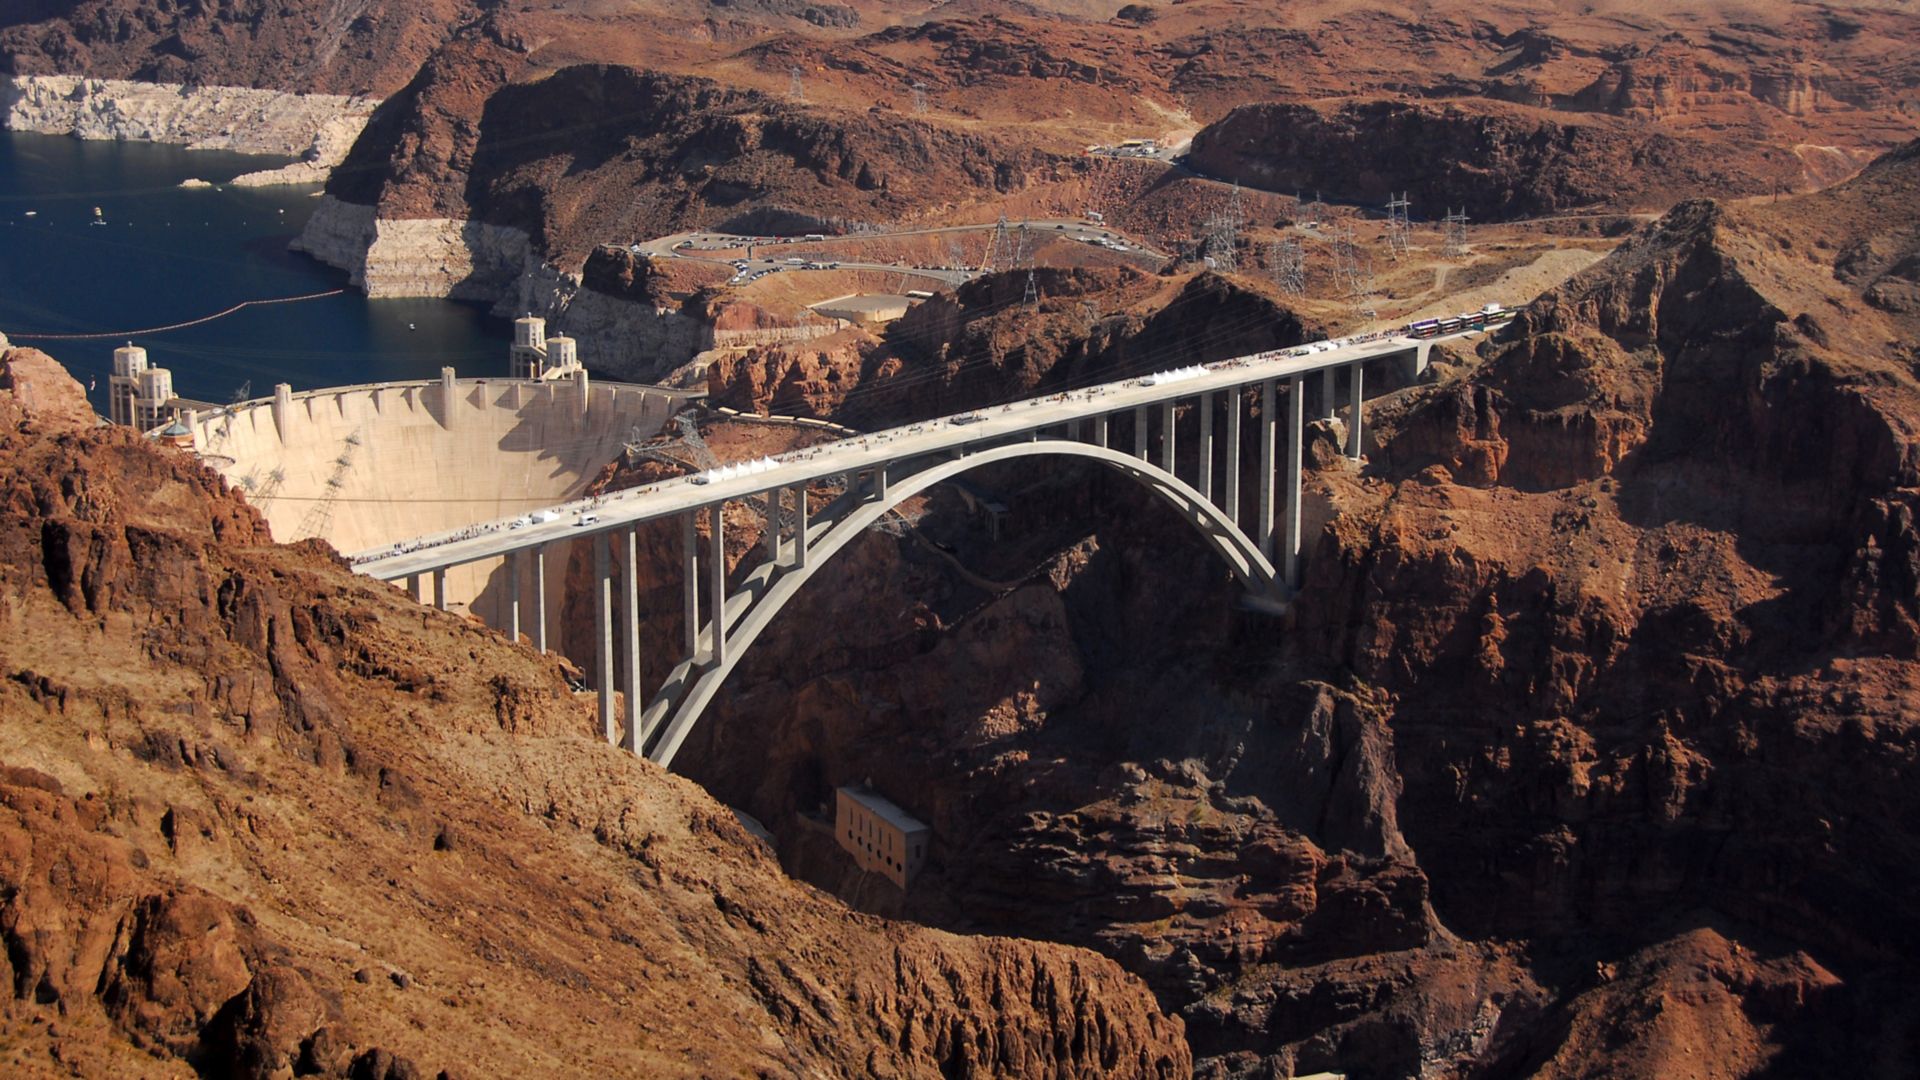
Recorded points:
766,590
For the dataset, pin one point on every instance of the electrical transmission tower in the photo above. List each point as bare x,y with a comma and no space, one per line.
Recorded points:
999,249
795,91
1288,262
1456,244
320,514
919,98
1032,297
1234,211
1352,270
1399,227
1220,240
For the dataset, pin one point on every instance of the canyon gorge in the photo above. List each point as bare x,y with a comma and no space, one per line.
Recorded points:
1585,748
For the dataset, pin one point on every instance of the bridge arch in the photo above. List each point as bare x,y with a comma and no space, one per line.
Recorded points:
691,687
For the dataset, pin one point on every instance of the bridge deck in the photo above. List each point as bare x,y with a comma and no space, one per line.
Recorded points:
945,435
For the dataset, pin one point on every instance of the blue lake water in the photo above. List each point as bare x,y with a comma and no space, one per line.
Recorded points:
168,254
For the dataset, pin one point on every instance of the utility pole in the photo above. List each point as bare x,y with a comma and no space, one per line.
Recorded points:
919,99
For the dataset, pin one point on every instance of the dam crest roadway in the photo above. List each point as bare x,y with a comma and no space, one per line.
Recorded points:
1129,425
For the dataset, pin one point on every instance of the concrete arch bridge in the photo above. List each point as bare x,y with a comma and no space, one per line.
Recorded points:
1256,533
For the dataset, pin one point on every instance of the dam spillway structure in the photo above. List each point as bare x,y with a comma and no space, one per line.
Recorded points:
367,466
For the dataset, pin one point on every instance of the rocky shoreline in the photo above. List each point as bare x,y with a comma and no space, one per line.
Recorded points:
497,264
318,129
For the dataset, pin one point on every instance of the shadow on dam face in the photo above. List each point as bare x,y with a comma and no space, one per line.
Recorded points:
366,466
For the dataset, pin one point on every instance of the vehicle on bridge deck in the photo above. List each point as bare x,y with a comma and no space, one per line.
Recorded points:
1491,315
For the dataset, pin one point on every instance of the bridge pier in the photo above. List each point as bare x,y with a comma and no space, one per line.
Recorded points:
1264,527
440,588
1353,429
1100,431
800,511
630,636
540,598
1205,484
690,581
717,577
1329,401
413,589
774,499
512,613
1234,407
1296,427
1140,433
1166,435
603,632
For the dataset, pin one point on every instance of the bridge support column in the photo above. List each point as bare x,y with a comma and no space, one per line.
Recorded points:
800,511
880,482
1353,429
512,619
603,631
1074,430
540,598
690,581
1205,483
1232,504
1140,433
440,588
1296,423
717,579
413,589
774,499
1166,436
1419,360
1268,426
1328,405
1100,431
630,636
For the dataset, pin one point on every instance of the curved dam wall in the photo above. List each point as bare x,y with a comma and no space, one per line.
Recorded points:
366,466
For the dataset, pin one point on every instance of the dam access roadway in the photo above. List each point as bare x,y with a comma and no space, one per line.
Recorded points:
733,249
882,469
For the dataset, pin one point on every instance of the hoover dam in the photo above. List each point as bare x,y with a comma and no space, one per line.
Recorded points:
366,466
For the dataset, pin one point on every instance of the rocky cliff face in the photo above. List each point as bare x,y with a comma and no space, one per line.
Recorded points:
260,816
316,128
679,151
982,345
1496,161
352,48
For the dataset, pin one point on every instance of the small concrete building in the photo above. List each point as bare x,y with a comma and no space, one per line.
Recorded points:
883,838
